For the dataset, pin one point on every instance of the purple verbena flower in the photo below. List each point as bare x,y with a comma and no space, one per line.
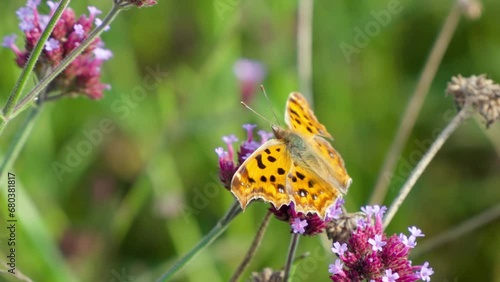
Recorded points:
334,211
370,255
389,276
315,224
82,76
377,243
249,145
339,249
227,164
298,225
415,232
336,268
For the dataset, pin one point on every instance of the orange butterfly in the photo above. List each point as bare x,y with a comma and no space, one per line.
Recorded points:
299,166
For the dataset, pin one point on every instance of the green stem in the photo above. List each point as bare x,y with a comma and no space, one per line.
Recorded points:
291,254
30,64
64,63
415,103
218,229
424,162
253,248
17,144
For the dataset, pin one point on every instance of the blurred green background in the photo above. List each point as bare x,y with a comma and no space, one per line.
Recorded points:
145,193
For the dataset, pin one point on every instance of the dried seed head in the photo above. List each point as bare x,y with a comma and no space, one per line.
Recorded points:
471,9
339,230
481,93
268,275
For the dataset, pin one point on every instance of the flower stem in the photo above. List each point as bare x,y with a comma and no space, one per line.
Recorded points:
426,159
253,248
415,104
291,253
304,47
17,144
30,65
218,229
69,58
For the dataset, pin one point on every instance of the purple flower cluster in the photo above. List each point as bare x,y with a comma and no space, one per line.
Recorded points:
372,256
227,165
82,76
310,224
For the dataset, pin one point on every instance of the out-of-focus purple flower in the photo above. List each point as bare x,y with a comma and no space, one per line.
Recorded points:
51,45
9,41
250,74
370,255
82,76
425,272
98,22
336,268
102,54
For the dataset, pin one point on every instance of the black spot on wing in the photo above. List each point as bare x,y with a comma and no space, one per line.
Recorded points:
260,164
267,151
271,159
300,175
281,171
263,178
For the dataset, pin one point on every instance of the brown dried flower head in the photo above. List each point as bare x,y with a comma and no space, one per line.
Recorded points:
471,9
481,93
339,230
268,275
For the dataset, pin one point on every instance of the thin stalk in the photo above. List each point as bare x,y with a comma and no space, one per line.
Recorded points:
218,229
30,64
424,162
253,248
18,274
462,229
415,104
304,47
70,58
19,140
291,254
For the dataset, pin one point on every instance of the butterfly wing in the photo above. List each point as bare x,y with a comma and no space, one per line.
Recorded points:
263,175
331,167
311,193
300,117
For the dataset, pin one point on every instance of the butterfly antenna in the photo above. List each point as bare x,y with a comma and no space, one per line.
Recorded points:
259,115
269,103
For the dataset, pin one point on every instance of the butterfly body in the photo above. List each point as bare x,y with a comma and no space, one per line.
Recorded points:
299,166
